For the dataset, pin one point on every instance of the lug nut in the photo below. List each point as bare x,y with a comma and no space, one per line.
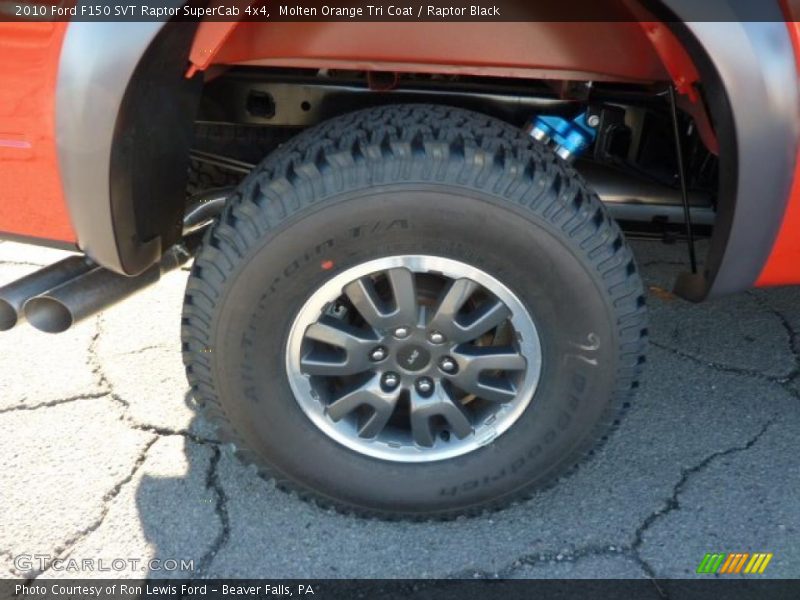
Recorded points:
378,354
436,338
391,380
448,365
424,385
401,332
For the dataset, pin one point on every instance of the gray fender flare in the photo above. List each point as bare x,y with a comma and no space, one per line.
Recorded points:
97,62
758,126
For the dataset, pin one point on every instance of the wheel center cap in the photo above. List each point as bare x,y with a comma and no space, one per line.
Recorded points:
413,357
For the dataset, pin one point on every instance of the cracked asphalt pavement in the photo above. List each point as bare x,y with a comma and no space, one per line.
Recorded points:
103,455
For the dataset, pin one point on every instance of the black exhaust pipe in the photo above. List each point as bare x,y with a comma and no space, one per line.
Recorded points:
204,208
14,295
59,308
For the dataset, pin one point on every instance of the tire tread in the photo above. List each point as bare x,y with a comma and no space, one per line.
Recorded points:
429,143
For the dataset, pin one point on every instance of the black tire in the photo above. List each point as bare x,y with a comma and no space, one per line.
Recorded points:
428,180
239,143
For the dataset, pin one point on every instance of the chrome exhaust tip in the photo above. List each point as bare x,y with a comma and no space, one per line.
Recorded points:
57,297
8,315
61,307
14,295
48,314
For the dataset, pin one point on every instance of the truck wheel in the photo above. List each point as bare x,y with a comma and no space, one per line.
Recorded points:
414,311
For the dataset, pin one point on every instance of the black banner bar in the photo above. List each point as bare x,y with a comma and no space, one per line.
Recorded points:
438,11
401,589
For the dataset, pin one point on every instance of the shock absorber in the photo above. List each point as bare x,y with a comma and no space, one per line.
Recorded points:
569,138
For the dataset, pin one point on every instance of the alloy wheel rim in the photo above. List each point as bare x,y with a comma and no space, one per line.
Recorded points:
413,358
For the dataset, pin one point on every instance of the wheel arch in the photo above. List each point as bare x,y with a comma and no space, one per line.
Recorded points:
126,202
755,119
750,73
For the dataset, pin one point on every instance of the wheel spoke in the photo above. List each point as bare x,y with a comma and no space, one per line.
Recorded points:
493,389
404,291
442,405
355,343
474,361
328,366
380,315
484,319
458,328
450,302
364,297
368,394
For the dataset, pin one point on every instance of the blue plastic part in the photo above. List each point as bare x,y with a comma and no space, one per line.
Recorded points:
571,138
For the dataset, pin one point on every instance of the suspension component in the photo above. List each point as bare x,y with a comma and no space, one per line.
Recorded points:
569,138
